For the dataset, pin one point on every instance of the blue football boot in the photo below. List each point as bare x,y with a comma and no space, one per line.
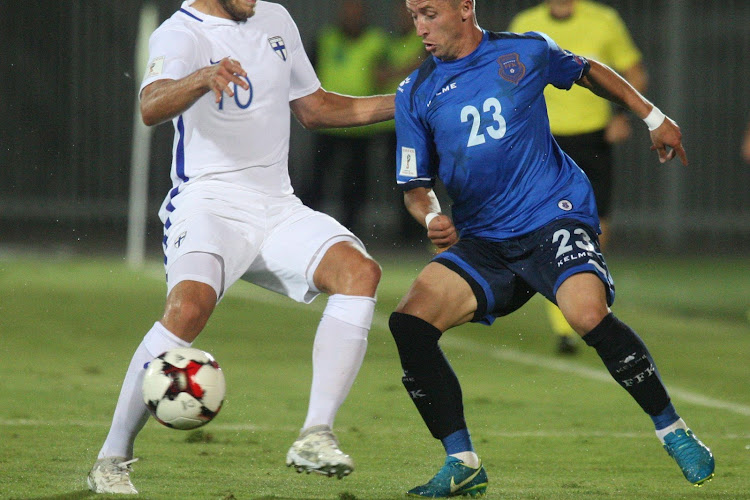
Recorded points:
454,479
693,457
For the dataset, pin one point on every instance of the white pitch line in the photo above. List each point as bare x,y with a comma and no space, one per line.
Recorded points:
216,426
540,361
511,355
536,360
523,358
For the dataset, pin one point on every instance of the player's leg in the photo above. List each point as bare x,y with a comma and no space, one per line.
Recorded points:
593,154
307,253
188,307
350,278
438,299
111,471
582,298
196,277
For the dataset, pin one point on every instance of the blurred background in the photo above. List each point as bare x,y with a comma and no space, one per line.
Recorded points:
70,73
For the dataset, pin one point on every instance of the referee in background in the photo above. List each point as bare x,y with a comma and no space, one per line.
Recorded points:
584,125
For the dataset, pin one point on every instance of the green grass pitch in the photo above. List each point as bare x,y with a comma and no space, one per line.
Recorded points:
546,427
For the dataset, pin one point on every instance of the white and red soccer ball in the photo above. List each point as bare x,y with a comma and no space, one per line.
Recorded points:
184,388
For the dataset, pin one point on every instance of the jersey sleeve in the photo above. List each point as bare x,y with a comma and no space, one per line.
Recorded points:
414,147
304,81
564,67
171,56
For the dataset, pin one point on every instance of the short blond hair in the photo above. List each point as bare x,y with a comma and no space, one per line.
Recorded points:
455,3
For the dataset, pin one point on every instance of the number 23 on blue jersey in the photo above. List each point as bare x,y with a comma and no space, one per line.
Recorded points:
495,131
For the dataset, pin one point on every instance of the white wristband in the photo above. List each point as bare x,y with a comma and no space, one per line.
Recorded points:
428,218
654,119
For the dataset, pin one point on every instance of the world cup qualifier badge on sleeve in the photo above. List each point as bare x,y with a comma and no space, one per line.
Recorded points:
408,162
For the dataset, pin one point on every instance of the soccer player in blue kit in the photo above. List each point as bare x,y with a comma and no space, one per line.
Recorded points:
524,221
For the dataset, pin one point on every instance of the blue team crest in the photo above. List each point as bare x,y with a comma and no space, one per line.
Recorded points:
511,67
278,46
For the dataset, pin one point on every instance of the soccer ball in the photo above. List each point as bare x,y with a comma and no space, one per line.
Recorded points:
184,388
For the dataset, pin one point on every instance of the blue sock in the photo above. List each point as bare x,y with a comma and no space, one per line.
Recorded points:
457,442
666,418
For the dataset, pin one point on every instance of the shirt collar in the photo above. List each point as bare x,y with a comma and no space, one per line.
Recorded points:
459,63
197,15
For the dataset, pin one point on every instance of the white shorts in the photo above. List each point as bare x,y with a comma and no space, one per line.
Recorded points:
273,242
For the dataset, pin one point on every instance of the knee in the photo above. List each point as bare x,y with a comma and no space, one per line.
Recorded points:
190,313
347,269
369,272
186,314
412,334
585,320
362,278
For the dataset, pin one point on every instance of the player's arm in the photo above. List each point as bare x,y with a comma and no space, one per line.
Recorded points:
323,109
421,202
619,129
606,83
164,99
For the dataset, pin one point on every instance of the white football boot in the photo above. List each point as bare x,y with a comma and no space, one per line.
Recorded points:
317,450
111,475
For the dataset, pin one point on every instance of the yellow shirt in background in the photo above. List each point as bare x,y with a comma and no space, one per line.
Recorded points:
596,31
348,66
403,50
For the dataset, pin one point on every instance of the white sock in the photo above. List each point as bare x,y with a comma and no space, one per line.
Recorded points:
469,458
338,351
679,424
131,413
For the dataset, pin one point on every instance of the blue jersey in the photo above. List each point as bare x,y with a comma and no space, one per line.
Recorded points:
480,124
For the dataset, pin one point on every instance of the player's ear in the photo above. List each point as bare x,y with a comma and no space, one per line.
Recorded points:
467,10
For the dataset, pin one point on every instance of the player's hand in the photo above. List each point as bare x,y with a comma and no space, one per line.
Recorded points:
222,74
442,232
668,135
618,129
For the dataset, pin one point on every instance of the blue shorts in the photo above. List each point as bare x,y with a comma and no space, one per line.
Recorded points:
504,275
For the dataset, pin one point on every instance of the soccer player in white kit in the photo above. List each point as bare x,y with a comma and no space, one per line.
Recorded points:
227,73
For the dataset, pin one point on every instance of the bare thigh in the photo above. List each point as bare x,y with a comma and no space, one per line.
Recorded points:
441,297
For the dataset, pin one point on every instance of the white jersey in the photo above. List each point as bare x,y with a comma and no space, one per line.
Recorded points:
242,139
